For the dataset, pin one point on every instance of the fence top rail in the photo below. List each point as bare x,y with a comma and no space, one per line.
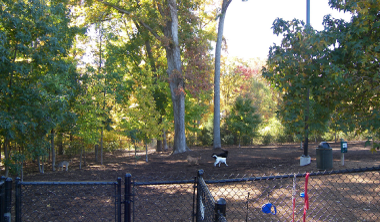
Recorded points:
320,173
163,182
69,183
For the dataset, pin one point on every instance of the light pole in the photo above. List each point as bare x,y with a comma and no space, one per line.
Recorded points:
305,158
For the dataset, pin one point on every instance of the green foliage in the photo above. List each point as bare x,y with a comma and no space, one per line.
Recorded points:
227,137
15,163
294,68
354,63
111,146
267,139
242,119
38,77
206,134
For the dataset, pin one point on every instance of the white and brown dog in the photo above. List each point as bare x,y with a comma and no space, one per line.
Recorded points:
220,158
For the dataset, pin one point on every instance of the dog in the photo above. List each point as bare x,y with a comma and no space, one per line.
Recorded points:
193,160
63,164
220,158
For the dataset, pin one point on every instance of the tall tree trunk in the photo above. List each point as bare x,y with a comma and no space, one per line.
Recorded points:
84,156
159,141
80,158
218,52
174,71
146,152
52,148
164,141
60,146
101,146
307,111
22,171
6,154
96,152
159,146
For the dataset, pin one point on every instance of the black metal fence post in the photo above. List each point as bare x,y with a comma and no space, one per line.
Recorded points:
2,198
118,199
128,194
8,199
199,194
18,200
220,208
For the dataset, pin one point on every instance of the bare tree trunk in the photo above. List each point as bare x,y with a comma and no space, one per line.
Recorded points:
60,146
22,171
218,52
101,147
52,149
96,152
146,152
6,155
307,112
40,164
164,141
174,71
80,159
159,146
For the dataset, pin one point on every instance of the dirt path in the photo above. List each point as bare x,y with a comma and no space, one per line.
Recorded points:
247,160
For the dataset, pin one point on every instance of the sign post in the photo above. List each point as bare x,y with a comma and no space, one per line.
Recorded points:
343,150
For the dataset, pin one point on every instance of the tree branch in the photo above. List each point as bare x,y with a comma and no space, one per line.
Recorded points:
123,11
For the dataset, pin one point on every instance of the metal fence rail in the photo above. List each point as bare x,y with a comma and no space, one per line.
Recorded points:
68,201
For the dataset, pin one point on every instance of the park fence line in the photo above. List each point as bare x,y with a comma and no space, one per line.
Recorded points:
338,195
342,195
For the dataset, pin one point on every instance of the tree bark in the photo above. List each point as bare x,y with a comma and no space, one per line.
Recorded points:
6,154
96,152
164,141
174,70
307,112
218,50
80,158
60,146
101,146
176,83
52,149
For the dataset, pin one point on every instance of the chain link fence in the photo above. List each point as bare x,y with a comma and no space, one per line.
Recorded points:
350,195
170,200
347,195
68,201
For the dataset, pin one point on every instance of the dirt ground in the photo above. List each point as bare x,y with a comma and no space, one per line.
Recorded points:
247,160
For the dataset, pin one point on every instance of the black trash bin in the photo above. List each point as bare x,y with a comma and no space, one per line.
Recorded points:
324,156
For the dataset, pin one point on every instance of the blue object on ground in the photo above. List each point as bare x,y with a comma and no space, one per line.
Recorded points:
267,208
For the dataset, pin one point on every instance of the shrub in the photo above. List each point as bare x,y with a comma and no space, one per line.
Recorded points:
206,137
267,139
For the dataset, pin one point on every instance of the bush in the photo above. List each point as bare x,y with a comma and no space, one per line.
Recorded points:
267,139
206,137
111,146
227,137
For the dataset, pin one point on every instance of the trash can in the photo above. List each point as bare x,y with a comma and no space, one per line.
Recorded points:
324,156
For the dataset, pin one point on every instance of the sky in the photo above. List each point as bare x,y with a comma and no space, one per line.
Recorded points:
247,26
